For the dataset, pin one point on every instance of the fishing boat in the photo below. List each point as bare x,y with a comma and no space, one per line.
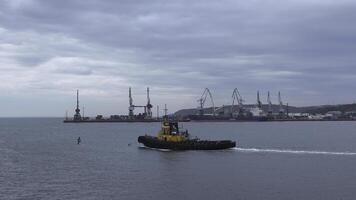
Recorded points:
170,137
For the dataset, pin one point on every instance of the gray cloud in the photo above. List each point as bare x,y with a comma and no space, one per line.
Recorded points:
303,48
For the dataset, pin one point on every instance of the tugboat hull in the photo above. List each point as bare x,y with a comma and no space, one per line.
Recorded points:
154,142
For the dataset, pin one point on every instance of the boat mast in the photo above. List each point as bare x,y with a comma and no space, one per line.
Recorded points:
157,112
165,110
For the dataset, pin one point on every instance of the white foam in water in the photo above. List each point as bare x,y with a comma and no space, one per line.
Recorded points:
143,147
256,150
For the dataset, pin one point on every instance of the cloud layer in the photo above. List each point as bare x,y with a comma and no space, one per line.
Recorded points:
48,48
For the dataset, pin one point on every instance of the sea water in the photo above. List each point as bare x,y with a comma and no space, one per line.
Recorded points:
40,159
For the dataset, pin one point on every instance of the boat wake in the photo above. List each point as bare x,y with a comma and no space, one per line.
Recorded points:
164,150
288,151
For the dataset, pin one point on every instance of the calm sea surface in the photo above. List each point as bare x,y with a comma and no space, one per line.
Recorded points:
39,159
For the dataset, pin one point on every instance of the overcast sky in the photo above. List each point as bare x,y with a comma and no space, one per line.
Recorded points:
48,48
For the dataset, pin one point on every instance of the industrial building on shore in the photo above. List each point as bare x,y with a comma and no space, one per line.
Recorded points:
236,111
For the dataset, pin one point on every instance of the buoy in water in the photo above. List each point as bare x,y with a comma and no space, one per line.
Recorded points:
79,140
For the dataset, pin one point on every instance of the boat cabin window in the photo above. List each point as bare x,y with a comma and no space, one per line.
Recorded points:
174,127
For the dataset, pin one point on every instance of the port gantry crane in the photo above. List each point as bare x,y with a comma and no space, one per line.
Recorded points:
259,103
147,108
237,97
149,105
202,100
77,116
281,109
131,106
270,110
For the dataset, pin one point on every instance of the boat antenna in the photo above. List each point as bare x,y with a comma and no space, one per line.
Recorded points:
165,110
157,112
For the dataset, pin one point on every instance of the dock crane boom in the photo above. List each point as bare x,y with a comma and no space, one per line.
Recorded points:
202,101
259,103
149,105
131,106
281,109
270,111
237,97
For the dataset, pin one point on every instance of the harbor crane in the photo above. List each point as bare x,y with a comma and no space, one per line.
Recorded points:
259,103
131,106
202,101
147,108
77,110
270,109
281,109
149,105
237,97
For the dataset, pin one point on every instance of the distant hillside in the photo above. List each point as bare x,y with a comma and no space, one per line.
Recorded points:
292,109
326,108
192,111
